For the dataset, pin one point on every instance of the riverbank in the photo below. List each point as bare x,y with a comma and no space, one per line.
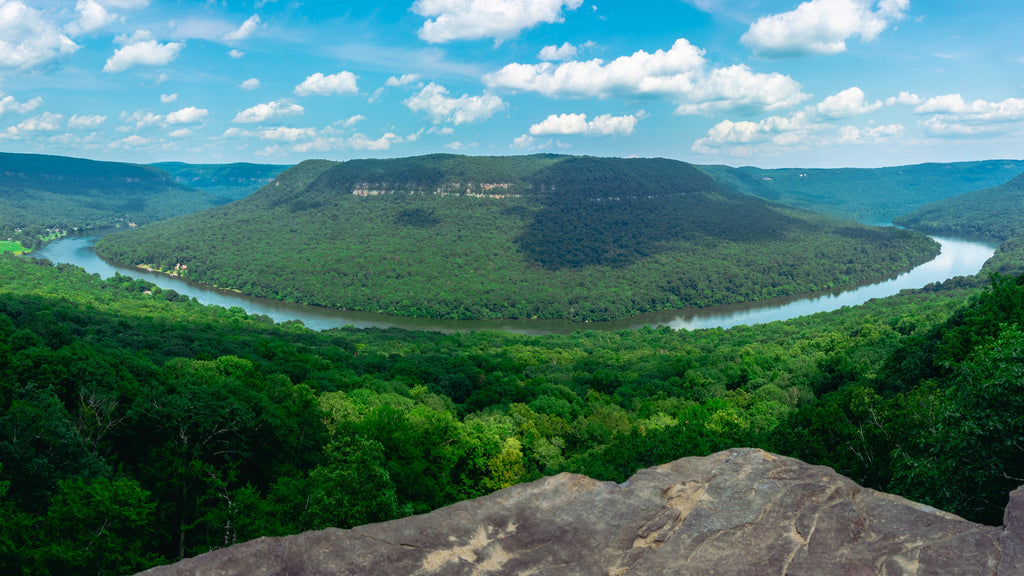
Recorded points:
957,258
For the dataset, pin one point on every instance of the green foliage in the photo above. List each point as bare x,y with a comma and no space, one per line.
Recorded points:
873,195
230,181
45,196
994,213
514,237
136,429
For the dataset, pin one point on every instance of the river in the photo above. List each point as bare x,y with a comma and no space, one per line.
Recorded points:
958,258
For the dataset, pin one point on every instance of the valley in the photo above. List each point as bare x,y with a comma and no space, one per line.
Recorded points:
139,426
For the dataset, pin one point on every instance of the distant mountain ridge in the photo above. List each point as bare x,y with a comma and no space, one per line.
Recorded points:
872,195
995,213
40,192
230,181
514,237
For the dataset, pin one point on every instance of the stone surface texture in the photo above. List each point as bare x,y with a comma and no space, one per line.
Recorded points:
738,512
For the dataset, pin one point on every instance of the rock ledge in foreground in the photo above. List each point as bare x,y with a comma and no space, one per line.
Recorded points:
738,512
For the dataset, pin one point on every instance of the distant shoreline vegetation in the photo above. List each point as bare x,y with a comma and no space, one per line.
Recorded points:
546,236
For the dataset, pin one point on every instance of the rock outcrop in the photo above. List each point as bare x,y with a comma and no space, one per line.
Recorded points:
738,512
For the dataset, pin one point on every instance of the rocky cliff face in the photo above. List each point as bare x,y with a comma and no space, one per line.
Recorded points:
739,512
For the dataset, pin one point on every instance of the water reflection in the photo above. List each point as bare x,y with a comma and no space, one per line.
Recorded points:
958,258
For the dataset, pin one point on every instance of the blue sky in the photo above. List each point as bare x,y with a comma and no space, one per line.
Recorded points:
771,83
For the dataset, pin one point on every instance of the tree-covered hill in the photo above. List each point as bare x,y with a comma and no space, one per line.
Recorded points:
873,195
230,181
514,237
39,194
995,213
138,427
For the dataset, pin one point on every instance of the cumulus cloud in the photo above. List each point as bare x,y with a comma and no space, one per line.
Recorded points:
849,102
10,104
235,53
285,134
77,121
449,20
188,115
133,141
954,116
362,142
28,39
180,133
604,125
434,102
250,84
680,73
141,119
905,98
822,26
403,80
268,111
798,130
341,83
91,17
141,49
243,31
564,52
168,98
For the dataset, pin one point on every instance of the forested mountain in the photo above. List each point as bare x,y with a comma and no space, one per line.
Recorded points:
137,426
873,195
514,237
39,194
995,213
230,181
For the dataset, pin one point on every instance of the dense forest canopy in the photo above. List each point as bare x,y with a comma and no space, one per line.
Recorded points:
995,213
872,195
138,427
42,194
514,237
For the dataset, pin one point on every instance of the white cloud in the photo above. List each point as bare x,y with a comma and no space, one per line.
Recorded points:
475,19
822,26
268,111
351,121
10,104
432,100
798,130
141,119
954,116
523,142
45,122
181,133
604,125
564,52
681,73
341,83
403,80
849,102
141,50
235,53
187,115
133,141
361,142
77,121
250,84
91,17
28,39
905,98
285,134
243,31
168,98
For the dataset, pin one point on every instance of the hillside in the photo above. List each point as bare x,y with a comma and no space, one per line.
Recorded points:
514,237
995,213
39,194
229,181
873,195
138,427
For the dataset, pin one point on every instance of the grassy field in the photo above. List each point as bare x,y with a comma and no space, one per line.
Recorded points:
6,246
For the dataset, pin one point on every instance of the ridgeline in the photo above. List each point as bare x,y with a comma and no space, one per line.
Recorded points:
542,236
